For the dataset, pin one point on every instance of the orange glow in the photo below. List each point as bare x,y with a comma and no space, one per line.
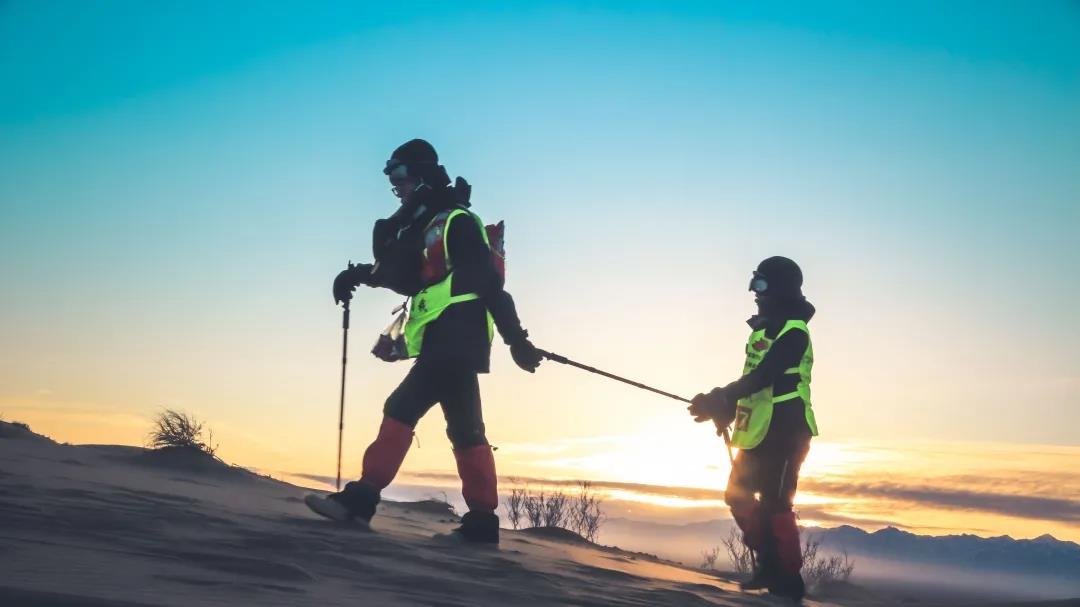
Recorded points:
869,484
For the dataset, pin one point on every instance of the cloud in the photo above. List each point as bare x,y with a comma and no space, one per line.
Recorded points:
320,478
1010,504
821,513
954,493
690,493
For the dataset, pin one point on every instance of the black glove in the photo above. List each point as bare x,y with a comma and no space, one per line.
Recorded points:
715,406
525,353
385,232
350,278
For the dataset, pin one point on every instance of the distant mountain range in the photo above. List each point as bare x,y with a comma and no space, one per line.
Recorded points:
1001,567
1044,555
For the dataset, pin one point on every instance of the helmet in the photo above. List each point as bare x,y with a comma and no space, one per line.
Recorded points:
417,158
413,153
777,276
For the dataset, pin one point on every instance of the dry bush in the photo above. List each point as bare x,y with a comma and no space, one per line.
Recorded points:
586,517
534,509
708,557
586,513
555,510
580,513
515,506
175,429
738,552
819,569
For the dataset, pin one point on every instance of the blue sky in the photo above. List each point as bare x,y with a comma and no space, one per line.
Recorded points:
180,182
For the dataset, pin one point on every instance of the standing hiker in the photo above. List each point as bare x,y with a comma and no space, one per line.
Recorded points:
437,252
770,405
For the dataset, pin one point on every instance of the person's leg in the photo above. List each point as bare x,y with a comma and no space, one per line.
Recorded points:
475,461
416,394
777,506
741,495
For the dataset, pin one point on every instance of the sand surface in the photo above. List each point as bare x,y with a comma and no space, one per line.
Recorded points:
109,525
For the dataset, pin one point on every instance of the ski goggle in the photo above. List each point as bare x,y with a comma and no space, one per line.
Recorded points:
758,284
395,169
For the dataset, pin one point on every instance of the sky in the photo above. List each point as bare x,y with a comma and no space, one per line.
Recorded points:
181,181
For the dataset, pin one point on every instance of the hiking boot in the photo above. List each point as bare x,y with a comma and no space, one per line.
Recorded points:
354,504
479,528
790,586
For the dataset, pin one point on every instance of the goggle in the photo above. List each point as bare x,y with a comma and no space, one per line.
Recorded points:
758,283
395,169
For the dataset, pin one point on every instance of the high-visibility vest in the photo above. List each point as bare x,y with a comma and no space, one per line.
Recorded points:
753,413
437,269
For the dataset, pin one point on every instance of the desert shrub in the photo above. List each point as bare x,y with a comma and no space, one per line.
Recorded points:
708,557
515,506
586,517
176,429
555,510
580,512
534,509
738,552
819,569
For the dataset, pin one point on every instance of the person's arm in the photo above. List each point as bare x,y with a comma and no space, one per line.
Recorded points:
785,353
395,259
474,272
720,403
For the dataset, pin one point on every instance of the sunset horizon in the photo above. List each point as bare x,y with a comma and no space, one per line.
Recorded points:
843,482
550,238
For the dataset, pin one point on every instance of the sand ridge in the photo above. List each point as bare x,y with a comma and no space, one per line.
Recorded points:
104,525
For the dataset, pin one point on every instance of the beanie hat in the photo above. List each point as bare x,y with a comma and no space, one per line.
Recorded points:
783,276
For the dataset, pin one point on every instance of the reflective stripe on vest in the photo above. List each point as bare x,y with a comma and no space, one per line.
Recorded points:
428,305
753,414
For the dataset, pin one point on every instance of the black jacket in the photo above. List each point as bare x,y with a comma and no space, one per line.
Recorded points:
785,353
459,335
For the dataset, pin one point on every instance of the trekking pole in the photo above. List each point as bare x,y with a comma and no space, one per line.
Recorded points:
566,361
722,431
341,407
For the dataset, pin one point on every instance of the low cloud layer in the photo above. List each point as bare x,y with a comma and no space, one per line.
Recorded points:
941,495
963,493
948,492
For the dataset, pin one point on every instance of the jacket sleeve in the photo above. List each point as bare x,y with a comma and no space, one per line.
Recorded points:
785,353
395,260
474,272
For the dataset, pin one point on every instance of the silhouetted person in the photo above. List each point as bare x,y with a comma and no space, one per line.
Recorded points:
770,406
437,252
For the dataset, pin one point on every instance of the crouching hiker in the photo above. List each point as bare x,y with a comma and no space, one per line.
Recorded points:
436,251
770,406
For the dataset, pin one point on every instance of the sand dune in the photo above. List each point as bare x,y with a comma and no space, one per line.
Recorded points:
108,525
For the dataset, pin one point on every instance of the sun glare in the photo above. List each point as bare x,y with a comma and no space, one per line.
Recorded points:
667,501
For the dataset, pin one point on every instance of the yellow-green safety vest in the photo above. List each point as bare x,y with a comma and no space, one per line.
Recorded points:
427,305
753,413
